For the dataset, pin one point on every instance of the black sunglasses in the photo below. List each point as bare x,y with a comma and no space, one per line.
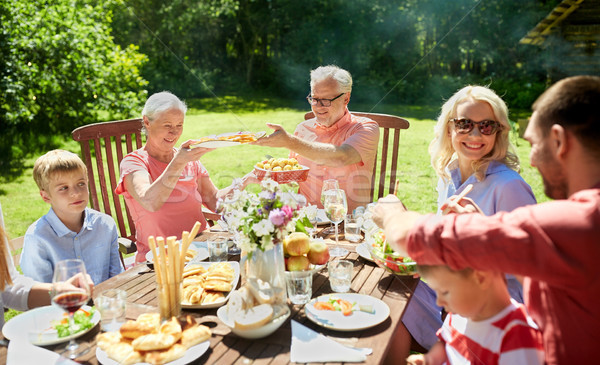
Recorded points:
486,127
324,102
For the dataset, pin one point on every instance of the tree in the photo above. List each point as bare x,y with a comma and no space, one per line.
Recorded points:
61,69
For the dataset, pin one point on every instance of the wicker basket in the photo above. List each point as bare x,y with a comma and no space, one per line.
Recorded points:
283,177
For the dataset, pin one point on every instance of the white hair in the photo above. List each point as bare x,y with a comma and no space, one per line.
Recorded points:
161,102
341,76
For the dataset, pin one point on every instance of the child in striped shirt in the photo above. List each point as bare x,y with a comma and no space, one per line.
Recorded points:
484,325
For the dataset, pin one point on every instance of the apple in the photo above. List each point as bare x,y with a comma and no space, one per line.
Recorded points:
296,244
318,253
298,263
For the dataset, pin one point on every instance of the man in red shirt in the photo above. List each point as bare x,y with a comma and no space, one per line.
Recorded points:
554,245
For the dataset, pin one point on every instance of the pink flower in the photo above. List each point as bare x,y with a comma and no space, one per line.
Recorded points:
277,217
289,214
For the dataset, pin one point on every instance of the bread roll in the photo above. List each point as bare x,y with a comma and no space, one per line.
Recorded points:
163,357
254,317
194,335
153,342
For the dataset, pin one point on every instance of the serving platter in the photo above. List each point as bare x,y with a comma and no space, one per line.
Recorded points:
236,268
191,354
226,139
362,250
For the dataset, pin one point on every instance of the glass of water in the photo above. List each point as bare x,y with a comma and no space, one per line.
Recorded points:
299,286
352,228
340,275
217,250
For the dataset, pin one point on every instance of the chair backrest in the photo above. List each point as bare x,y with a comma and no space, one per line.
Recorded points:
391,125
16,245
104,142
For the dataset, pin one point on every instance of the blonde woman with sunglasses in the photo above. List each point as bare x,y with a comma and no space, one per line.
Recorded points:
471,146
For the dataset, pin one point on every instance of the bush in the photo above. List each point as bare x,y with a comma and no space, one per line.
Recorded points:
60,69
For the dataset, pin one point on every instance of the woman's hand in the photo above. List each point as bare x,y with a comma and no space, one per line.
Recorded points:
186,154
462,206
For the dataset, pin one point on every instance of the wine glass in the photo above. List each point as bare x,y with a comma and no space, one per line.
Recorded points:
70,290
226,218
336,208
329,184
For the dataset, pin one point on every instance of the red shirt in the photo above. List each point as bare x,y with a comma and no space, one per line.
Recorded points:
355,179
555,245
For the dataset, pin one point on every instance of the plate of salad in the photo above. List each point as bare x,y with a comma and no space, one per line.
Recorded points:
385,257
48,325
347,311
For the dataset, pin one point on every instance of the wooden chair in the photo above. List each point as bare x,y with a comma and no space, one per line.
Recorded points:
102,150
15,245
390,124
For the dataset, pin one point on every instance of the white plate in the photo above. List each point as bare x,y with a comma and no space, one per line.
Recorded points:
260,332
358,320
236,278
363,251
35,326
216,143
199,247
322,217
191,354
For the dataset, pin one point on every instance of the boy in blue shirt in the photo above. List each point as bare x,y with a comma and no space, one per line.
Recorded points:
70,230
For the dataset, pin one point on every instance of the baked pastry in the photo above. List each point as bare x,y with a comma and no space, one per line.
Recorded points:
213,297
218,285
146,324
162,357
123,353
153,342
195,335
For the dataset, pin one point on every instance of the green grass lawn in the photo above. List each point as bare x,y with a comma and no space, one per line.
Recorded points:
22,205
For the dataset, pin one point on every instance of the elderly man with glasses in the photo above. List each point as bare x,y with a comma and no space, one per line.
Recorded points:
335,144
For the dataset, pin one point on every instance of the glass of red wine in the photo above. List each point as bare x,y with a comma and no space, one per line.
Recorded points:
70,290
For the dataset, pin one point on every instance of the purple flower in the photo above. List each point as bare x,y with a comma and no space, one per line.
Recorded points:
277,217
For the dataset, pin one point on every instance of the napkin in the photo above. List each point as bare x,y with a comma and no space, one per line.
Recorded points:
310,346
22,352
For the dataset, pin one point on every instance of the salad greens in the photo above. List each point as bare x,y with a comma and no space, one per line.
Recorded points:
82,320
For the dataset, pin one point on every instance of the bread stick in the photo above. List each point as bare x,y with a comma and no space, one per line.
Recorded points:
462,194
163,272
184,245
171,273
152,243
396,187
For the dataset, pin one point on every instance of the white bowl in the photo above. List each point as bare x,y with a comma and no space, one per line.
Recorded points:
260,332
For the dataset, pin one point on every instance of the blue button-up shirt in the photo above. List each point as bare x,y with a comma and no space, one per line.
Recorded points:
48,241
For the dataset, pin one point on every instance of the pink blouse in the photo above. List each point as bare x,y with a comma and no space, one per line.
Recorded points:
179,213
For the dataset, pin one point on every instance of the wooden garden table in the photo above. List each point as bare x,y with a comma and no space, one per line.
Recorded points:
227,348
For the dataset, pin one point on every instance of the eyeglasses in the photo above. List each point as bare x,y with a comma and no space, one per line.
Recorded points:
323,102
486,127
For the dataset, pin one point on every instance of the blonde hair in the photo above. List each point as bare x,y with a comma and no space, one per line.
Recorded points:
441,150
55,161
5,279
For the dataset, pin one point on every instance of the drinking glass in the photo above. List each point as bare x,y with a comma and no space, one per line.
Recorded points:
336,208
352,228
329,184
226,218
70,297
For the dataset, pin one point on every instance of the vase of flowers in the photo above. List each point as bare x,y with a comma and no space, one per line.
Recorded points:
261,222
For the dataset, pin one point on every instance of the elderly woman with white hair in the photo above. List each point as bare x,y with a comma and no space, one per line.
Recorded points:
334,144
471,146
163,186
